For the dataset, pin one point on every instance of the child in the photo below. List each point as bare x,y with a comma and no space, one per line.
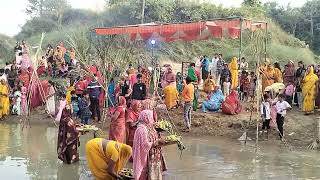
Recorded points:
187,96
289,91
16,109
252,89
265,110
281,107
84,109
226,87
75,103
244,86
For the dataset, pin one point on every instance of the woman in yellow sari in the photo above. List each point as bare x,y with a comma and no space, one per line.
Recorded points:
106,158
170,95
309,84
277,73
233,67
4,99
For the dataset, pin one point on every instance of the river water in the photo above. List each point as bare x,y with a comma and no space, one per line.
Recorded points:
31,154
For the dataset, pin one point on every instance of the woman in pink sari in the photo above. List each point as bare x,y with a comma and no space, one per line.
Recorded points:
24,105
25,62
148,105
131,120
148,162
117,130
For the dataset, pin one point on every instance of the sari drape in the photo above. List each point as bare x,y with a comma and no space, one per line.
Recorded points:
98,159
233,67
170,96
4,100
309,90
232,105
67,146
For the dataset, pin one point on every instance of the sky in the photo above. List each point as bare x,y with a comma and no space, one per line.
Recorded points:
13,11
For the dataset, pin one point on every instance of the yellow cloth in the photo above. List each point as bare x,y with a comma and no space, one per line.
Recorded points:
208,85
278,76
268,75
68,94
4,100
170,96
309,90
98,160
233,67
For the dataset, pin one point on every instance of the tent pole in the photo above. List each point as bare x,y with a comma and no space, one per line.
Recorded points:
266,42
240,47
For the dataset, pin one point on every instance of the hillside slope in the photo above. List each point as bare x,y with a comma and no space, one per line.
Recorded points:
281,47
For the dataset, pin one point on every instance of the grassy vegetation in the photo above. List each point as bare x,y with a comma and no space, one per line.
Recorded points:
6,49
281,47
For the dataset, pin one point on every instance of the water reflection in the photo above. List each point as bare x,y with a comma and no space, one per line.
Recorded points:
31,154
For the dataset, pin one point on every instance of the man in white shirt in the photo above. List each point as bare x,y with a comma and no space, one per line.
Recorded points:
281,107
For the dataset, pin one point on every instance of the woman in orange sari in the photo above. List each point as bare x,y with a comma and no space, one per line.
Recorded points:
268,76
118,122
233,67
278,78
131,120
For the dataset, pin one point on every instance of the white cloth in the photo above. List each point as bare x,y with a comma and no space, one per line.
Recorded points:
267,110
282,107
226,88
244,66
214,66
4,77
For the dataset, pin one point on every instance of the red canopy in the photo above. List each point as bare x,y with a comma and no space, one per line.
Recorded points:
189,31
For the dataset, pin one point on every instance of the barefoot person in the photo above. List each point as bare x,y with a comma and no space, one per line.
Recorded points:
106,158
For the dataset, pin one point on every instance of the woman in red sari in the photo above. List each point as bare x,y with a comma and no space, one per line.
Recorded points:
131,120
117,130
232,105
68,138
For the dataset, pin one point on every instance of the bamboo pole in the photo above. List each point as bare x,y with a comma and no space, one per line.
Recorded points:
240,41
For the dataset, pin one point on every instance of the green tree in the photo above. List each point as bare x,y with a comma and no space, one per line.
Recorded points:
252,3
35,7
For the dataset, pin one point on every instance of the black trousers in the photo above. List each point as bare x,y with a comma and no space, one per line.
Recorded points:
266,124
95,108
280,121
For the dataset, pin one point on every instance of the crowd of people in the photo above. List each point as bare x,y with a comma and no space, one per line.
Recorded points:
132,96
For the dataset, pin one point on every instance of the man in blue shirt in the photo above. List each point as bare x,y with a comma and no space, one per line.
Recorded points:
94,92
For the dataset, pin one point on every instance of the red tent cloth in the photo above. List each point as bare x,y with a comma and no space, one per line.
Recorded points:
168,30
234,33
216,31
146,36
